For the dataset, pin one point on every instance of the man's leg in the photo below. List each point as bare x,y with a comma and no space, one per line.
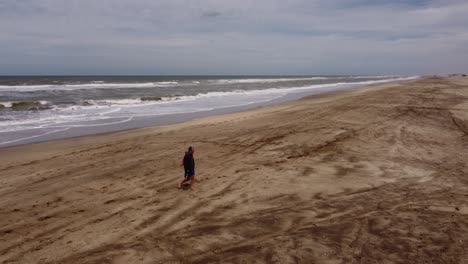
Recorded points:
182,182
192,182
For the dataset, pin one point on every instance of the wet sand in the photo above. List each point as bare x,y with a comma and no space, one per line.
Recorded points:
373,175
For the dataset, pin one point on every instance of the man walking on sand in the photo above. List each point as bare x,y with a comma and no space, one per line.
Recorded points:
189,168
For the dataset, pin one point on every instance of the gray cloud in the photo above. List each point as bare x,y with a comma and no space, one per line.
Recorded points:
246,37
211,14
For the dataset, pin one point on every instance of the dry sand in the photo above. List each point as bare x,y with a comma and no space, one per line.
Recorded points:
375,175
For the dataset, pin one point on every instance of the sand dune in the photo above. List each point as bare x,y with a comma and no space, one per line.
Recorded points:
375,175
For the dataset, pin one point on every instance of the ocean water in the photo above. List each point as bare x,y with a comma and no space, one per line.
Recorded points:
42,108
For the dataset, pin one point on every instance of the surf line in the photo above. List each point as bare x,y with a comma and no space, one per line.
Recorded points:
21,139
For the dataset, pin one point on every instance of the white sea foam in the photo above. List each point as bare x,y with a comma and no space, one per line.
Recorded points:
266,80
284,90
92,85
245,93
115,102
35,136
373,77
124,102
104,85
6,104
112,112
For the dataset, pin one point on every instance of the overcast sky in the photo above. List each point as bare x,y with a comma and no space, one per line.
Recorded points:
233,37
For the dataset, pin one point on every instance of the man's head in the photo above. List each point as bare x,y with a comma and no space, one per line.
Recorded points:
190,149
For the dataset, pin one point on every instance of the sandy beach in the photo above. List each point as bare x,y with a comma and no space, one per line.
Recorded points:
373,175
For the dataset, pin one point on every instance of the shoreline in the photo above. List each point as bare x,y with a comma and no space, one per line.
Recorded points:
171,119
375,174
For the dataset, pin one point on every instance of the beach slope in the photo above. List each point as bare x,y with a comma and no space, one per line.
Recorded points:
374,175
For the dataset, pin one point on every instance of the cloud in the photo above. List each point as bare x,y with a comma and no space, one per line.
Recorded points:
233,37
211,14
